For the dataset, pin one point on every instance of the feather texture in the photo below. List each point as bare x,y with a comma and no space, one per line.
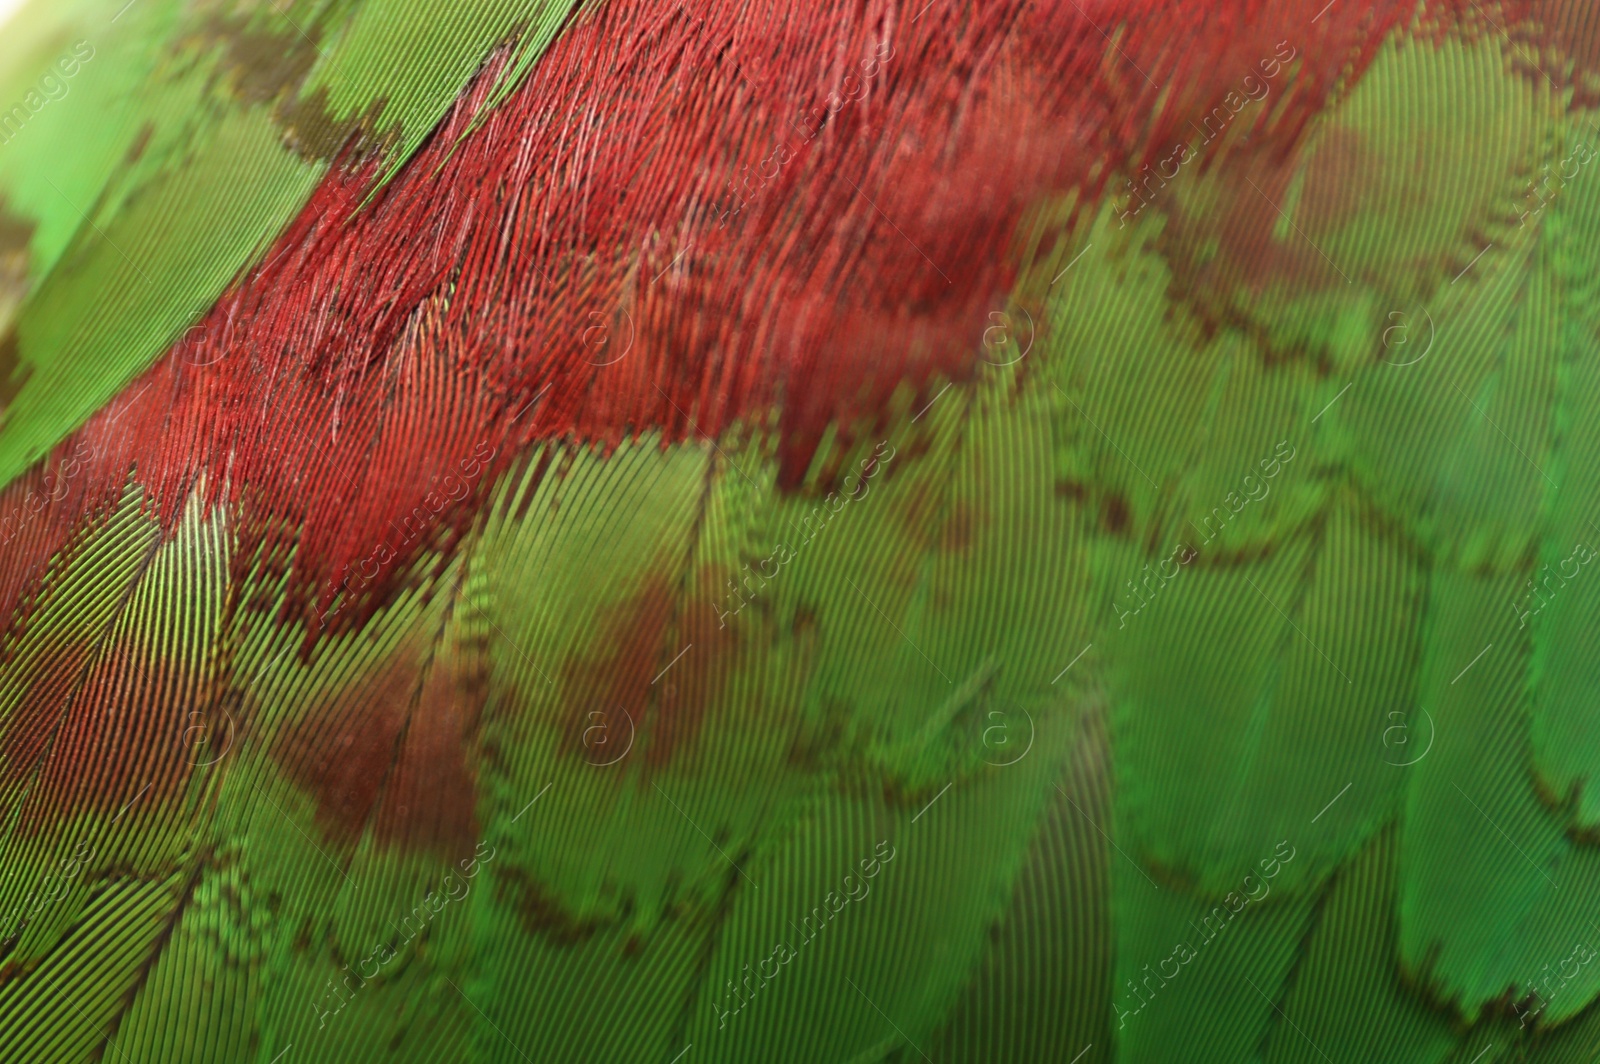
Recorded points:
841,532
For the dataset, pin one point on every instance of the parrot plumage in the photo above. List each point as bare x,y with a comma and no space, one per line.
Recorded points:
728,530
